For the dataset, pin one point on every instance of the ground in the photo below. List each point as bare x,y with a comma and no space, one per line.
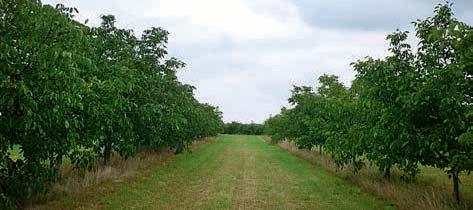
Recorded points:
235,172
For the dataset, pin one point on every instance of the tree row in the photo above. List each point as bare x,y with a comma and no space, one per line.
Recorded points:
243,128
84,93
412,108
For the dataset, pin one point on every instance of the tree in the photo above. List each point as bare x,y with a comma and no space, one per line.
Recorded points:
443,92
383,88
108,104
40,93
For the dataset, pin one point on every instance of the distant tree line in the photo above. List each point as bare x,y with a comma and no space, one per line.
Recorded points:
84,93
411,108
242,128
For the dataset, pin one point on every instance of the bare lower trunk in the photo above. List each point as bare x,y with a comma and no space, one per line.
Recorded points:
387,172
320,150
55,166
179,150
107,154
456,190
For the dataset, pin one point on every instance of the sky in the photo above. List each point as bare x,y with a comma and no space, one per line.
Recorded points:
244,55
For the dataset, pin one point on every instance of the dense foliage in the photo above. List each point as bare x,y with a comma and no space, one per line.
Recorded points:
69,90
411,108
243,128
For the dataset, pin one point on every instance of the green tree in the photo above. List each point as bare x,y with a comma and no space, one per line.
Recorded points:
383,88
40,93
443,92
108,105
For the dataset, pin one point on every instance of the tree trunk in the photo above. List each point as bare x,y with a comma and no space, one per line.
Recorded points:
55,166
456,191
387,172
320,150
106,154
179,150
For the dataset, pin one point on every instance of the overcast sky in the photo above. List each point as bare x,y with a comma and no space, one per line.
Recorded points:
244,55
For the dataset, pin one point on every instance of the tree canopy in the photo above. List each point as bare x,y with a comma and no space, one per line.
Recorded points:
70,90
411,108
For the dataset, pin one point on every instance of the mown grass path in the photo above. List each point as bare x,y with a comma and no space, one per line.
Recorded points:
239,172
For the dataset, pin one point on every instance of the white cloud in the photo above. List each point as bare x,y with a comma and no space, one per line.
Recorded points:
243,55
234,18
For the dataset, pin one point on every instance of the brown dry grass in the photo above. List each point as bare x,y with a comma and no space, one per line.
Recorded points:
431,190
117,169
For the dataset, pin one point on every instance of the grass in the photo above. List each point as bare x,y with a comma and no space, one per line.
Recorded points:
235,172
83,190
76,190
432,189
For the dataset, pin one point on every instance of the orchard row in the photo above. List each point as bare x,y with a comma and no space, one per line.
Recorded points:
84,93
411,108
243,128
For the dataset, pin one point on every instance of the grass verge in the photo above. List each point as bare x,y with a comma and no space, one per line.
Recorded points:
84,190
432,189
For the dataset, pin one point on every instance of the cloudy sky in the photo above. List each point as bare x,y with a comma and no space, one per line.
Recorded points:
244,55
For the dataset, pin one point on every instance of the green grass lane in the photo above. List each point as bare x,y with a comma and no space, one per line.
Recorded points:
239,172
